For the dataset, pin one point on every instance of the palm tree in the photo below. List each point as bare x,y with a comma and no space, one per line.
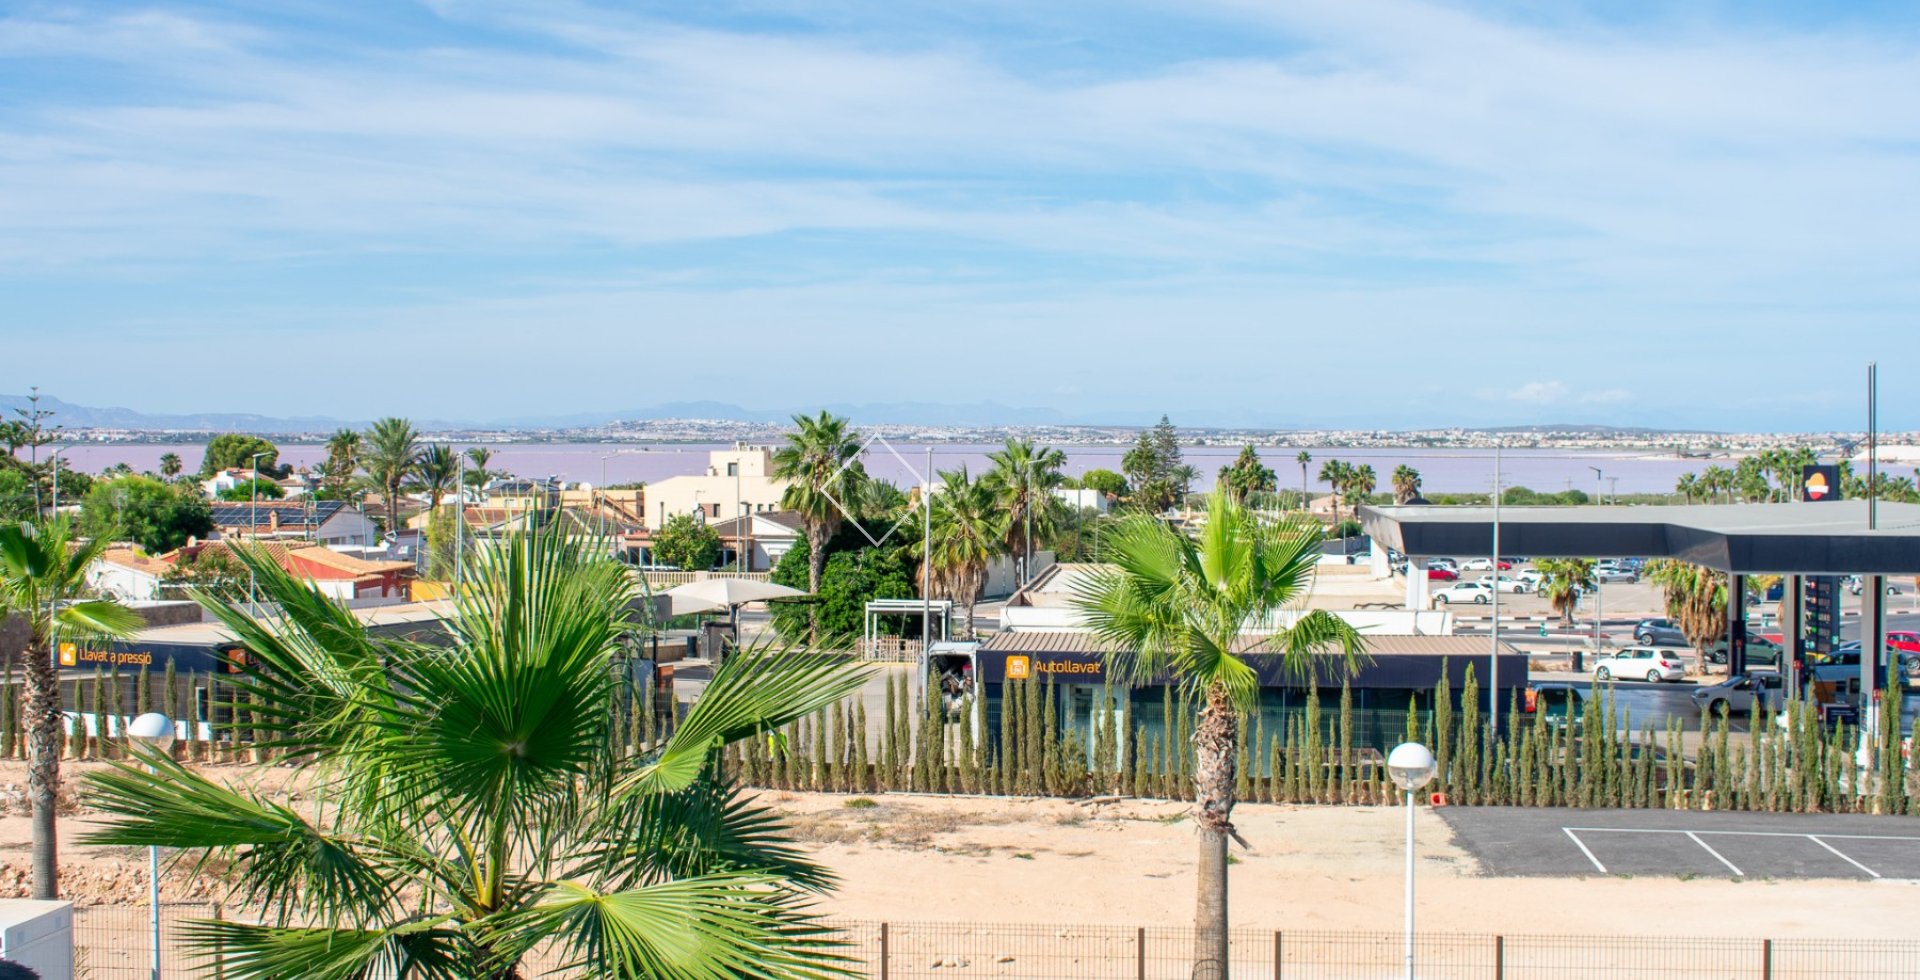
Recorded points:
343,458
1360,481
170,465
1336,474
481,457
485,801
1696,600
1246,476
1023,478
1687,486
1562,580
1305,459
43,571
391,453
437,470
820,465
1179,608
1406,483
968,528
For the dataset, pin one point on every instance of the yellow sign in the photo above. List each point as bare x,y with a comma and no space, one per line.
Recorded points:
69,655
1019,668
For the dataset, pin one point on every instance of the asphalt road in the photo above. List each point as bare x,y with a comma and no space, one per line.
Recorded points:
1538,841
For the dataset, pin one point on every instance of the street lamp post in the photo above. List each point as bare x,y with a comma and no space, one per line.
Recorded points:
155,731
253,525
1412,767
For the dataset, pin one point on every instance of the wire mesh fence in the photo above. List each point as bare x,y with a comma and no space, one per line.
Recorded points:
113,943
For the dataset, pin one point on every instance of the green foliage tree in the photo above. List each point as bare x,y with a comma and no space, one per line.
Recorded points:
170,465
1246,476
485,804
1696,600
212,571
16,496
1110,484
342,462
261,489
43,575
1337,475
482,469
1180,607
234,450
1525,497
1156,470
851,577
156,516
686,543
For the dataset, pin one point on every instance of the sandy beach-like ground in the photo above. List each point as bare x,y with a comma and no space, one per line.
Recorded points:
1129,863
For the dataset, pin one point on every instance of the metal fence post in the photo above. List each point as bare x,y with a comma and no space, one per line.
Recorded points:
1499,958
219,968
1276,954
1140,953
1766,959
883,951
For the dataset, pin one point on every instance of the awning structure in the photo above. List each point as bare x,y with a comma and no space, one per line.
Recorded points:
1825,538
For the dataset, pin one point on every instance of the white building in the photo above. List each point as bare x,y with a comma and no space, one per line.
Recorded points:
1082,498
737,483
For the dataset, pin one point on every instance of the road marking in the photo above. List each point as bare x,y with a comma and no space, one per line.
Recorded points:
1732,833
1583,849
1843,857
1736,871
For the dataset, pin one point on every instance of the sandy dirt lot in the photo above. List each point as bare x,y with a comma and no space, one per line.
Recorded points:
916,858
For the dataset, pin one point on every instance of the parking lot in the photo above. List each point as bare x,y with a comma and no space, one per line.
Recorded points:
1515,842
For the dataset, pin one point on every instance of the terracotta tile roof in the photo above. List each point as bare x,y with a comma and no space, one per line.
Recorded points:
129,558
348,563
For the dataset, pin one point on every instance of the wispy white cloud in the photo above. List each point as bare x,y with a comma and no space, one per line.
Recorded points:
1381,168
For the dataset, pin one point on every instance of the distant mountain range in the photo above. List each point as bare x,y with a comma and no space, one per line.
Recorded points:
75,416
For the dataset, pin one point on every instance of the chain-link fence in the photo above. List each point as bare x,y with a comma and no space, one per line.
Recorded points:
112,943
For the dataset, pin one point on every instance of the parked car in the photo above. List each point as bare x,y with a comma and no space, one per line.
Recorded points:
1903,641
1640,663
1446,563
1439,574
1531,576
1856,585
1508,583
1846,658
1484,565
1614,573
1659,633
1761,652
1559,701
1741,693
1479,593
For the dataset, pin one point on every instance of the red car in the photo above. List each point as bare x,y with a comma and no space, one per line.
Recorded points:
1442,575
1908,642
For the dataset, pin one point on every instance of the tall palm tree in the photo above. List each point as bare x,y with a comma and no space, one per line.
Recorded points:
1696,600
392,451
485,802
1336,474
1023,478
437,469
1181,608
1360,483
482,459
343,458
820,465
1406,483
968,528
1562,581
1246,476
170,465
43,577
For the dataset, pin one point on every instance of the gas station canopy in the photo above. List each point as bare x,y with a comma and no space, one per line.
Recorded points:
1819,538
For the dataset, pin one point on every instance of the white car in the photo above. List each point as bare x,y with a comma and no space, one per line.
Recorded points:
1640,663
1532,576
1446,563
1479,593
1508,583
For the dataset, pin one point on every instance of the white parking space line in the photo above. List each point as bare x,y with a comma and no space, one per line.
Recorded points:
1843,857
1583,849
1736,871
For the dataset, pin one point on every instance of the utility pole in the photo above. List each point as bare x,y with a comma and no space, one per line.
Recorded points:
1493,671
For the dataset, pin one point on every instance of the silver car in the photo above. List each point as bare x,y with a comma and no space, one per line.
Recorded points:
1741,693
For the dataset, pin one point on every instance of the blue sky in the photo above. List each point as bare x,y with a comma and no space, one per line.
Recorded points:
1371,212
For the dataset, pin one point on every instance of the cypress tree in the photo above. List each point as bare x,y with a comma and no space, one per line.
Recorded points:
99,710
1467,753
1316,736
969,777
1243,761
9,714
142,693
820,773
1053,778
1442,739
1275,782
862,772
1892,769
1036,731
1346,741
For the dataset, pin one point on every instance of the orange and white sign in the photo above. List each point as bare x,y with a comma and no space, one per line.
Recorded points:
1019,668
69,655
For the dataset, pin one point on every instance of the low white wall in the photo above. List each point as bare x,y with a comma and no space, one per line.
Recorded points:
38,936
